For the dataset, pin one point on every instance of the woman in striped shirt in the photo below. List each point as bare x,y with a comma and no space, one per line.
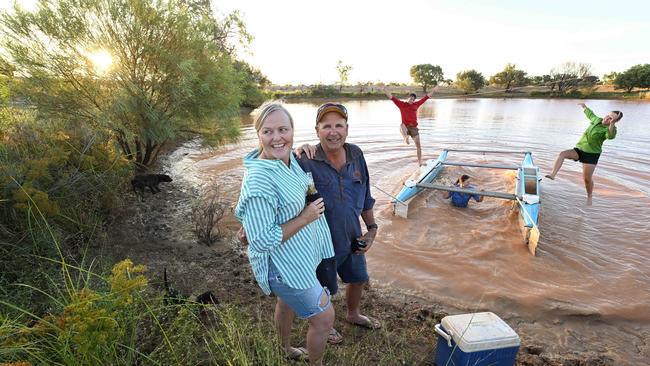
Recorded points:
287,239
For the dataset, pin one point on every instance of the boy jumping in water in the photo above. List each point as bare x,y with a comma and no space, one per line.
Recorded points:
409,111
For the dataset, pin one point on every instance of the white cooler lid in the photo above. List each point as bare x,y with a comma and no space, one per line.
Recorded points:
480,331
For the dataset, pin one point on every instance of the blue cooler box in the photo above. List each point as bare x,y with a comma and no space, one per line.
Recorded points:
475,339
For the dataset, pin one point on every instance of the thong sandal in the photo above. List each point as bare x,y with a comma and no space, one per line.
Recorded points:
298,354
370,323
334,337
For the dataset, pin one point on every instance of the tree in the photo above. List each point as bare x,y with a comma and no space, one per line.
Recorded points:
6,75
609,78
540,80
570,76
343,71
363,85
637,76
170,74
643,75
470,81
427,75
625,81
253,81
6,68
509,77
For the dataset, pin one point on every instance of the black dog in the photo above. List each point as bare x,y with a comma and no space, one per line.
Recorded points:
174,297
207,298
140,182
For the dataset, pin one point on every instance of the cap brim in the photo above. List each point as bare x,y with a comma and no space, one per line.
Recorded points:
329,109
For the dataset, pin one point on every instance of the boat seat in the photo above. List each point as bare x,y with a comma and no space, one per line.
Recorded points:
530,171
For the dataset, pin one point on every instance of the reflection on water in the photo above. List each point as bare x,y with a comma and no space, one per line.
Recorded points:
591,260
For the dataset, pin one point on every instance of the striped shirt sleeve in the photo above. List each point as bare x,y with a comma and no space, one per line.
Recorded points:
263,233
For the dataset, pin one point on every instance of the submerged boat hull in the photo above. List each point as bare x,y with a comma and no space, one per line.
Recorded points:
426,174
528,189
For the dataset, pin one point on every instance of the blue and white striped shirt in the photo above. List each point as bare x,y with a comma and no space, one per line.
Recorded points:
273,193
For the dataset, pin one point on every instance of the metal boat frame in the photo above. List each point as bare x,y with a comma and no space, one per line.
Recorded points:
527,190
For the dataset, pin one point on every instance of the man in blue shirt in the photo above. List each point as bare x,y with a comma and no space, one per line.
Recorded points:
462,199
341,177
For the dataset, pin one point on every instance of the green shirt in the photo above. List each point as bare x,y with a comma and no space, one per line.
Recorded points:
593,138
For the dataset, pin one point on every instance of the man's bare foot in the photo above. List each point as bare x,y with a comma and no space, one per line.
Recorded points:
364,321
550,177
406,140
589,201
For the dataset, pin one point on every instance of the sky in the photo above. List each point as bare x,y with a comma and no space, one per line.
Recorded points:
300,42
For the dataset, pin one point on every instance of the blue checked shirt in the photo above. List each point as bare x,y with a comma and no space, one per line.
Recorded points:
272,194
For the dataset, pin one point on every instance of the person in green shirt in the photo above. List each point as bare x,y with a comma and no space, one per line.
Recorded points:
588,149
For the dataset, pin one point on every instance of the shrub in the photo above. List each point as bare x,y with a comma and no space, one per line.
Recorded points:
321,90
119,320
587,92
57,182
207,211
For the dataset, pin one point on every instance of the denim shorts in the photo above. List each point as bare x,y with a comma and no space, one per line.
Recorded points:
304,302
352,268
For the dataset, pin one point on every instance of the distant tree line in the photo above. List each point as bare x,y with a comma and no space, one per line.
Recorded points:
564,78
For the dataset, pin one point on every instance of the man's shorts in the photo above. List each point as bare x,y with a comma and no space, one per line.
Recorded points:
587,158
352,268
412,131
304,302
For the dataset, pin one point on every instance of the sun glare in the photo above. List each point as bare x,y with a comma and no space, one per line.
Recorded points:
101,59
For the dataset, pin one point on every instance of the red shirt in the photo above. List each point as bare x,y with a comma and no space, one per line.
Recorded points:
409,111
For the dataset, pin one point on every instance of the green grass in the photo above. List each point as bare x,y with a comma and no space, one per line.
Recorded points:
119,319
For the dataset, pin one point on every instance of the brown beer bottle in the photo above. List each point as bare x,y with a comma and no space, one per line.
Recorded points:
312,193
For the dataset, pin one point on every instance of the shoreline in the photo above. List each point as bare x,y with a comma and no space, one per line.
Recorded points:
304,95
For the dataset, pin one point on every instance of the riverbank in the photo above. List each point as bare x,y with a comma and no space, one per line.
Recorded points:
306,93
157,233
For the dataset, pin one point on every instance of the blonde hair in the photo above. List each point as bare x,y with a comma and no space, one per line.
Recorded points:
264,111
